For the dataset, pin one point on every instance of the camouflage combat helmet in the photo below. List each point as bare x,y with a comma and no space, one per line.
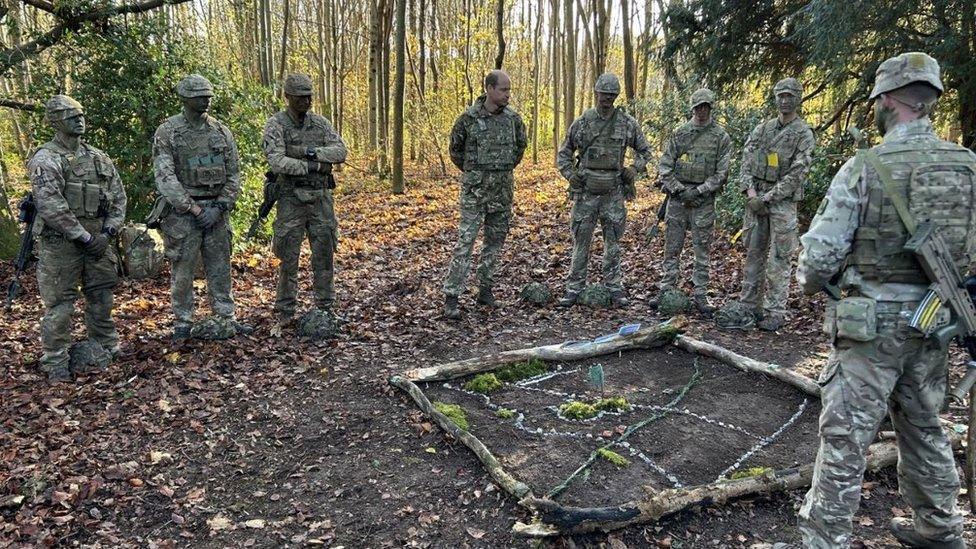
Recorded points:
607,83
904,69
704,95
791,86
298,84
61,107
194,85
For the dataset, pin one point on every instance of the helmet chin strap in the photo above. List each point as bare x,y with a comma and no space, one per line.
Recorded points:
921,108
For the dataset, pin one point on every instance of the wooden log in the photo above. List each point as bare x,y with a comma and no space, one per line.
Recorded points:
747,364
556,519
971,450
645,338
508,483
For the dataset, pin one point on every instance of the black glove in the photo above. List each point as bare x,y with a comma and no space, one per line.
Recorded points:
96,245
757,206
208,217
315,167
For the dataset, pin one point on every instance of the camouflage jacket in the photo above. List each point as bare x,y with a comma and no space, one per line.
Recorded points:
484,141
626,131
277,139
776,159
709,146
829,243
48,169
168,162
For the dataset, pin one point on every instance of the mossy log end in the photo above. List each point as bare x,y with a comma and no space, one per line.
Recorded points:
646,338
556,519
508,483
747,364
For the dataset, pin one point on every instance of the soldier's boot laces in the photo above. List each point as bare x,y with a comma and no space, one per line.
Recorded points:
904,531
618,299
451,310
568,300
486,297
772,322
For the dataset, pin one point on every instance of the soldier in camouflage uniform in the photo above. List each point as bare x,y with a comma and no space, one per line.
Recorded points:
775,162
591,158
878,363
81,205
487,142
198,173
301,147
692,170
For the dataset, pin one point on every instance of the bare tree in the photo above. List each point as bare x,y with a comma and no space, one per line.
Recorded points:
630,73
400,80
500,32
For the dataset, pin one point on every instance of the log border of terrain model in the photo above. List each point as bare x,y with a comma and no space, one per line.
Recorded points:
553,518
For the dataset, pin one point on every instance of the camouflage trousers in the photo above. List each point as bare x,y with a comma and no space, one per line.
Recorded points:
62,268
310,213
770,244
185,241
900,374
679,220
609,210
496,230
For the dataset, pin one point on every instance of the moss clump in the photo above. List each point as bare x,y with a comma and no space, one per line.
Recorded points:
751,472
454,413
484,384
523,370
612,404
504,413
577,410
613,457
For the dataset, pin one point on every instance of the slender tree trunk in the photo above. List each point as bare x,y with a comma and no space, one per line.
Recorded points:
400,44
569,62
284,47
556,71
536,39
467,48
499,32
434,25
384,104
374,91
322,45
630,73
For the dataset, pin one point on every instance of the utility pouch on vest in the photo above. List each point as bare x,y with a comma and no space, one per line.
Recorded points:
829,327
856,318
601,181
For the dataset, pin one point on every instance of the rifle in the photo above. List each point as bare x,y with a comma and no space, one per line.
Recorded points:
662,211
27,215
270,197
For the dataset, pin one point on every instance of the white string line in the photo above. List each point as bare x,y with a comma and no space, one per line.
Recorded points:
766,441
652,464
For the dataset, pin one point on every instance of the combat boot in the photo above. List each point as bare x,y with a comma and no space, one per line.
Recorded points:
568,300
181,333
57,374
772,322
703,306
486,297
242,329
904,531
451,311
618,299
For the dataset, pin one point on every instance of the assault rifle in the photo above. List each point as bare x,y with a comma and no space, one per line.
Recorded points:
27,215
662,211
270,197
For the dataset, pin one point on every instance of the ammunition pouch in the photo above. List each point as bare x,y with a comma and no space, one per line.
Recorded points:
856,318
601,181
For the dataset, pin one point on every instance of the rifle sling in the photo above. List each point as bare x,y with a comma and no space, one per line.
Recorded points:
888,186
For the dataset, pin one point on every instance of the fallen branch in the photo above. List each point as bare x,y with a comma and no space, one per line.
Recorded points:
645,338
557,519
747,364
508,483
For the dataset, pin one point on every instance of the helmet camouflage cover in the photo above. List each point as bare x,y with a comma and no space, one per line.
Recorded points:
704,95
194,85
791,86
61,107
298,84
607,83
905,69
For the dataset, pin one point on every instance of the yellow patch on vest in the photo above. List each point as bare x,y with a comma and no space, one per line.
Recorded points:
772,160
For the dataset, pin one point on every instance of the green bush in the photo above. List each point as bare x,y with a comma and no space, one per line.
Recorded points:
612,404
577,410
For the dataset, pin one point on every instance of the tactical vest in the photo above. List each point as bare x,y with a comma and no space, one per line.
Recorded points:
776,148
937,180
86,181
699,153
490,143
201,155
297,141
604,158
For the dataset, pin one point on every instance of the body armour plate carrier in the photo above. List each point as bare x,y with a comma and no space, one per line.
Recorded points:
776,148
86,180
202,154
937,179
490,144
297,141
603,160
699,154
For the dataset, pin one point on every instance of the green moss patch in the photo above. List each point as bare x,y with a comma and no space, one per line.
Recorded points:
612,404
751,472
504,413
613,457
484,384
522,370
454,413
577,410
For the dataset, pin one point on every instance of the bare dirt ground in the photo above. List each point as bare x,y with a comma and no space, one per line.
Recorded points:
268,442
